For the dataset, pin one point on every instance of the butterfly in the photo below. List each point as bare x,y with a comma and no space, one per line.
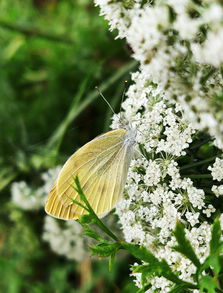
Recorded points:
101,166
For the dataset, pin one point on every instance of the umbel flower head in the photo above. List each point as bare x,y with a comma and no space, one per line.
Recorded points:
177,94
156,195
66,240
179,45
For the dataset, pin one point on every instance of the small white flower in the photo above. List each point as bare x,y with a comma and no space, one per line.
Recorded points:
67,241
172,96
29,198
153,173
210,209
25,197
217,169
217,190
192,218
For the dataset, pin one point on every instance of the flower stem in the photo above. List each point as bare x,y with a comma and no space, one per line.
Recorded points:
197,176
32,32
76,109
97,221
198,163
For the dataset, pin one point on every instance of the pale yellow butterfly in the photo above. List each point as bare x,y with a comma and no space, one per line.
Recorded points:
101,166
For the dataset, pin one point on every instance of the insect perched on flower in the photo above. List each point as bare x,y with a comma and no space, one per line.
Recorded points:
101,166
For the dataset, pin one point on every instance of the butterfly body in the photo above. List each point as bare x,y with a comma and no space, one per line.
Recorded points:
101,166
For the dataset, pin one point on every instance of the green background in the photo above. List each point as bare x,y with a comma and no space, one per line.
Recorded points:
52,54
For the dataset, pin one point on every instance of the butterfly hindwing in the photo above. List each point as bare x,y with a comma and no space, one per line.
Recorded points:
101,166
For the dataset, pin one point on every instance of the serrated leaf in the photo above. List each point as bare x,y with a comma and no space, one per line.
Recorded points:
155,267
140,252
180,289
91,212
86,219
184,246
213,261
144,270
91,233
105,249
169,275
141,268
208,283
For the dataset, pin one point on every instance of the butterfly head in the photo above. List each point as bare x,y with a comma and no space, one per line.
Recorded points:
124,123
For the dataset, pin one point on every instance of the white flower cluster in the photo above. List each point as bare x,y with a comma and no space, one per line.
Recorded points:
67,240
217,174
64,240
217,190
25,197
217,169
179,45
29,198
156,195
198,237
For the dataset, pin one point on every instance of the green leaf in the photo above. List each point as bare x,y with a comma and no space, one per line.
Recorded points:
142,268
80,204
7,175
214,260
180,289
215,236
105,249
145,270
144,289
141,291
169,275
184,246
208,284
86,219
111,260
155,267
140,252
91,233
88,207
77,108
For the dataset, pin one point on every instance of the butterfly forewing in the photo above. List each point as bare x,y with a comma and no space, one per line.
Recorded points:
101,166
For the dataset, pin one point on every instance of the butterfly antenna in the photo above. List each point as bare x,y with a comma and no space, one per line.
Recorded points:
106,101
123,94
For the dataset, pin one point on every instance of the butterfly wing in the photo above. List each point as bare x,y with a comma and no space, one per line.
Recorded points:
101,166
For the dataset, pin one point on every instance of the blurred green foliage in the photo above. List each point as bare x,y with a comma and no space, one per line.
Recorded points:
52,55
40,76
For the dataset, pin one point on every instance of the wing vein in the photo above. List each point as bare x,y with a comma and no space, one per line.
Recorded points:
109,180
76,170
115,181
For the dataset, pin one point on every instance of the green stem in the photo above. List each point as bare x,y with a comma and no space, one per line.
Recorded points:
198,163
105,229
206,190
91,211
197,176
31,32
57,136
5,180
75,110
201,143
